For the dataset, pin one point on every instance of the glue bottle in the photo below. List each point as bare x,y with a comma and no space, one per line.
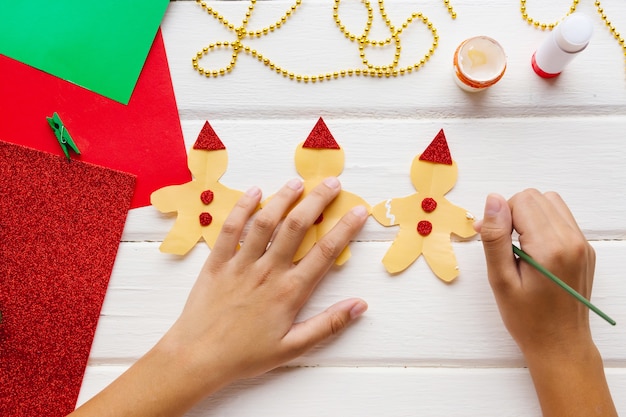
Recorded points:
567,39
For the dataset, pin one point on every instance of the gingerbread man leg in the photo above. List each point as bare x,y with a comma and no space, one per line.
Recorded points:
440,256
210,234
184,235
406,248
343,256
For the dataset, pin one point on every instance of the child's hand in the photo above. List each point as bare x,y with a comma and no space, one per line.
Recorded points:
538,314
549,325
239,318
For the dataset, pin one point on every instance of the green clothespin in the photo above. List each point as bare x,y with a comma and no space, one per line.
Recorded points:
63,136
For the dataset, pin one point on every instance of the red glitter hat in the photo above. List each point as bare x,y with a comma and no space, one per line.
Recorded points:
208,139
438,151
320,137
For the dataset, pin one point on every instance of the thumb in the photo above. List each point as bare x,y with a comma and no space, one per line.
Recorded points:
495,232
304,335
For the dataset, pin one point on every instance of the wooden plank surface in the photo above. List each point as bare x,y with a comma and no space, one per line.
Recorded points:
424,347
376,392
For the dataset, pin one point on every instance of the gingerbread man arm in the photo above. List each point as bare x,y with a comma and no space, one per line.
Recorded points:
460,221
383,213
344,202
398,211
166,199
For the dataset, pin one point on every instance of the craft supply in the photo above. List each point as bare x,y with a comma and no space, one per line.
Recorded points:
426,218
143,138
201,204
60,228
479,63
543,26
89,43
317,158
568,38
363,41
528,259
63,136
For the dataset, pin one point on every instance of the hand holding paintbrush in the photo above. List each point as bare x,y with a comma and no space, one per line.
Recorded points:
550,326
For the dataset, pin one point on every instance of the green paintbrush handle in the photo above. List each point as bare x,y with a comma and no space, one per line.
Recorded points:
526,258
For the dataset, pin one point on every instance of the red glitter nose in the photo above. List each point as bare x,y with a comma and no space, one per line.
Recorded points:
424,227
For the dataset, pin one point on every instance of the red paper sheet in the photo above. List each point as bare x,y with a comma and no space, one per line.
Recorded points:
60,227
143,138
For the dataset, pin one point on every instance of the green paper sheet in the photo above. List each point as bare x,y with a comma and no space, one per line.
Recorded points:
99,45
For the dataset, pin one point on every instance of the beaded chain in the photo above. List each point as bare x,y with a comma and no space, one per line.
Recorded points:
363,41
543,26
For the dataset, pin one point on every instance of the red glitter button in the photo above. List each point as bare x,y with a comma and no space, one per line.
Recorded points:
429,205
424,227
206,197
205,219
319,219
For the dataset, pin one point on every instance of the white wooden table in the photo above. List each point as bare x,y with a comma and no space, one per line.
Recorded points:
424,348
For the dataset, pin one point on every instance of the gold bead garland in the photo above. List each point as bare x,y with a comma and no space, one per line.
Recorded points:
363,41
543,26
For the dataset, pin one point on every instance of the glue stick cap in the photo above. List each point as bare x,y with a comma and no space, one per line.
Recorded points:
573,34
567,39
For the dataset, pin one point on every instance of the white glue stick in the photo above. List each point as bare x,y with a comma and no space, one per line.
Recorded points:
567,39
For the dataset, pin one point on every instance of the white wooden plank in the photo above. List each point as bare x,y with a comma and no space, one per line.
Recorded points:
372,392
593,84
413,319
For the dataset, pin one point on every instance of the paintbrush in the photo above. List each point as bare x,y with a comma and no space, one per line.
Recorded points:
528,259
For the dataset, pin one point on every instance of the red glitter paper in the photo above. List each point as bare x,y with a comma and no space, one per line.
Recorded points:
143,138
438,151
208,140
205,219
206,197
60,227
429,205
320,137
319,219
424,227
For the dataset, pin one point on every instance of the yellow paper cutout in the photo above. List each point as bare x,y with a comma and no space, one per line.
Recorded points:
207,167
432,180
314,165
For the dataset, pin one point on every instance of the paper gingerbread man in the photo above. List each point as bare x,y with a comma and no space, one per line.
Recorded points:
319,157
427,218
203,203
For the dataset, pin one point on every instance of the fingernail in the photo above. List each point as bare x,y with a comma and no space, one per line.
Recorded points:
360,211
332,182
359,308
253,191
493,205
295,184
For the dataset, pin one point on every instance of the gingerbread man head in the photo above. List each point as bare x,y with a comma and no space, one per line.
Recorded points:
206,165
434,172
319,156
